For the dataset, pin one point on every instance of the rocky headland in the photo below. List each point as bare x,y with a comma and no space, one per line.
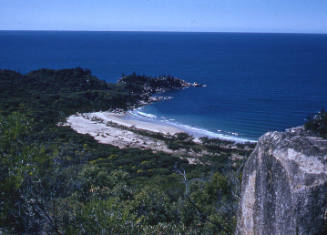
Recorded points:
284,185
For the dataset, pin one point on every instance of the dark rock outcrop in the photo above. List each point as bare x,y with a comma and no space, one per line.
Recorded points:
284,186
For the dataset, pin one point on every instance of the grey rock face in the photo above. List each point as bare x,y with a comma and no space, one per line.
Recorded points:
284,186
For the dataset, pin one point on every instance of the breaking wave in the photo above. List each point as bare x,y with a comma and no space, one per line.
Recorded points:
194,131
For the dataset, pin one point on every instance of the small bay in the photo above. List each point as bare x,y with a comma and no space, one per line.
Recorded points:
255,82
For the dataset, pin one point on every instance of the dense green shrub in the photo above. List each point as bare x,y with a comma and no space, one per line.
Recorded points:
56,181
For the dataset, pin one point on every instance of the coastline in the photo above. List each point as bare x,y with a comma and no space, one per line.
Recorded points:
111,128
136,129
126,120
125,130
196,132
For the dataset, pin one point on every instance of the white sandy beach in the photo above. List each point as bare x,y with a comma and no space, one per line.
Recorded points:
120,130
123,120
99,126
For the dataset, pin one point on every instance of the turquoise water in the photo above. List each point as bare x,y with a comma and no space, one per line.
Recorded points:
255,82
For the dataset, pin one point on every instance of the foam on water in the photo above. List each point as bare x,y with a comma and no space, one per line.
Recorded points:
147,115
194,131
256,82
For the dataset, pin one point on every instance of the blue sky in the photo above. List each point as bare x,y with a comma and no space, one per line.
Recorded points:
306,16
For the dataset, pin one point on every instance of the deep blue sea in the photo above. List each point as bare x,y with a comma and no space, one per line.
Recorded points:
255,82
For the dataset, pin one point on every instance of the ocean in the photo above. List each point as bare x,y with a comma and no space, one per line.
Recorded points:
255,82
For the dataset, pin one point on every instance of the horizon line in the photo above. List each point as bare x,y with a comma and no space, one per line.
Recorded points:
159,31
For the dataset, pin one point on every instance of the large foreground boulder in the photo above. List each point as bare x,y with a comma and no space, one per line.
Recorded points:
284,186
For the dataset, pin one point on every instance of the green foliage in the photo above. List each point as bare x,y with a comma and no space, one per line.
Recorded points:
21,165
141,83
183,136
51,95
66,194
217,187
57,181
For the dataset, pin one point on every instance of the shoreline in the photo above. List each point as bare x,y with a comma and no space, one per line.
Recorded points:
111,128
119,130
135,129
196,132
124,129
126,120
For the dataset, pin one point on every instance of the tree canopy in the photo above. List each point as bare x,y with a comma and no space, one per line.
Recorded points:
57,181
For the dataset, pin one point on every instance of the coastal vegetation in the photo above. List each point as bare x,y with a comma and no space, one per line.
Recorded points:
141,83
55,180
